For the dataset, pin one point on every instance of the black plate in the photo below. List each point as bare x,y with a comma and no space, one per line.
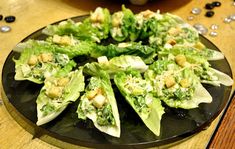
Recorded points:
176,124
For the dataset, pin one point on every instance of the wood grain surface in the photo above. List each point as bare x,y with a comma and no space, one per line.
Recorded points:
224,136
32,15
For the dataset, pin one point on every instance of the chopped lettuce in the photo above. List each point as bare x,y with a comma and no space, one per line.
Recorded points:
99,104
57,92
137,93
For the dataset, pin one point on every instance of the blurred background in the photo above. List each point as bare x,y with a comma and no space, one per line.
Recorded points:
135,5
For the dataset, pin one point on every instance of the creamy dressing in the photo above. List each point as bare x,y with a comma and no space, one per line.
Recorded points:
117,31
124,45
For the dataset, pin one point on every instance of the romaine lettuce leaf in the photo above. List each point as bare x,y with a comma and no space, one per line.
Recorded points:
100,19
171,30
197,60
123,25
94,50
126,61
192,50
147,23
147,53
57,92
137,93
66,27
178,87
116,65
215,77
201,95
81,31
38,61
94,28
99,104
212,55
78,47
192,55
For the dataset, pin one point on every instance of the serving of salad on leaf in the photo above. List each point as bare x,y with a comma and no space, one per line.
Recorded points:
148,61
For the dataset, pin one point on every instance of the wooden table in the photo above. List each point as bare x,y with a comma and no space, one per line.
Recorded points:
32,15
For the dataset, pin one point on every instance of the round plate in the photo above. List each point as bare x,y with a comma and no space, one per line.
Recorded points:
177,124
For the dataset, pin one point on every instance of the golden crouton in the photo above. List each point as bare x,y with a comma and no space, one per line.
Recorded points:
54,92
115,22
46,57
147,14
97,16
98,100
63,81
199,46
184,83
174,31
33,60
171,42
180,60
169,81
